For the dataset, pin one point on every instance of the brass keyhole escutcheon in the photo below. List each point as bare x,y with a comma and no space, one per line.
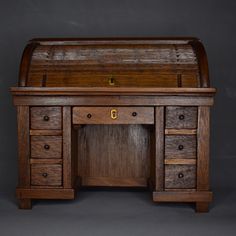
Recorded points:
111,81
114,114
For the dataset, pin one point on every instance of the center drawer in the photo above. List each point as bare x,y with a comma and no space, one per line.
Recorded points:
113,115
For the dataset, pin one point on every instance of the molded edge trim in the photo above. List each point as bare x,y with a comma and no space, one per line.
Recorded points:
173,196
77,91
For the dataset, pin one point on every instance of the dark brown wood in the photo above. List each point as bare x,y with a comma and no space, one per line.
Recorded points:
180,176
46,175
45,193
25,203
113,154
203,148
113,100
46,146
181,117
159,148
202,207
114,112
114,181
25,63
202,62
113,115
183,196
23,146
185,161
45,132
45,117
67,162
180,146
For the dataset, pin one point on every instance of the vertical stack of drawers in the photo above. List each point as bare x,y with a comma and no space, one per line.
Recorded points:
46,147
180,148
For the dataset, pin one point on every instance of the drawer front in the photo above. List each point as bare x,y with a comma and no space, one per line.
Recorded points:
180,176
46,175
46,146
181,117
113,115
45,117
180,146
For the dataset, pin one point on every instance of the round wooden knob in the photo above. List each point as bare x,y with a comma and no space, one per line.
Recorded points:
180,175
181,117
46,146
134,113
45,175
89,115
46,118
180,147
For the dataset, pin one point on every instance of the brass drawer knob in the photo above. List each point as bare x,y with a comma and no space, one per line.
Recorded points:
46,118
114,114
89,115
180,147
134,114
45,175
180,175
181,117
46,146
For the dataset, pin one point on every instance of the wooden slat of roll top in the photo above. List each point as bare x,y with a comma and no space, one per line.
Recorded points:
76,79
110,54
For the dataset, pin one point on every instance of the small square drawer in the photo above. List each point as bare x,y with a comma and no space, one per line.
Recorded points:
181,117
180,146
113,115
45,117
46,146
46,175
180,176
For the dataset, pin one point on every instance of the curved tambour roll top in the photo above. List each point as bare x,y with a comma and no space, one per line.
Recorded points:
150,62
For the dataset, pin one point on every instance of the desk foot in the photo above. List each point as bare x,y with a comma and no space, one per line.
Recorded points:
202,207
25,204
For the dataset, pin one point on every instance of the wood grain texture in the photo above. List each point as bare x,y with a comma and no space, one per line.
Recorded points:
25,203
180,146
46,146
46,175
180,161
111,91
25,63
181,131
114,151
45,161
114,181
102,115
159,148
67,162
203,196
174,180
45,117
46,132
203,148
45,193
165,145
202,207
181,117
23,146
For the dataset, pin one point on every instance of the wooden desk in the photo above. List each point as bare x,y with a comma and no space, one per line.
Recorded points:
114,112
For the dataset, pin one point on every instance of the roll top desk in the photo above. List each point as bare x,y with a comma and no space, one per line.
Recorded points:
125,112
